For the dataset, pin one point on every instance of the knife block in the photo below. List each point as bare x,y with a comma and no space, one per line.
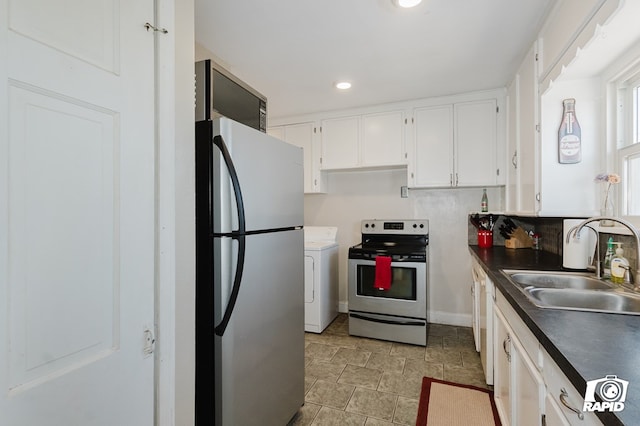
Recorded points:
519,239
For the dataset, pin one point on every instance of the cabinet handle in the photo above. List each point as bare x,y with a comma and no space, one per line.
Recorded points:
450,179
456,179
514,160
564,399
507,340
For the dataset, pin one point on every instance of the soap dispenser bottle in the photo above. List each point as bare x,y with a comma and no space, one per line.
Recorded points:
619,264
606,270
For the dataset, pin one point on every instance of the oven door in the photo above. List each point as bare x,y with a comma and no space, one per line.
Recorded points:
407,296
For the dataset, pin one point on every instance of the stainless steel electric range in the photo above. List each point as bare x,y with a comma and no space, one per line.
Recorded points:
398,311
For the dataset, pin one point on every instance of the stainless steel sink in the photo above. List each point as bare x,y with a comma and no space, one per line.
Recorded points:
574,291
585,300
557,280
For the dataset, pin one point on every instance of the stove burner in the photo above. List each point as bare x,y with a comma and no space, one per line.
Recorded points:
405,241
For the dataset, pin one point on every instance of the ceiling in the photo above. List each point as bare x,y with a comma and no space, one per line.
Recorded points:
293,51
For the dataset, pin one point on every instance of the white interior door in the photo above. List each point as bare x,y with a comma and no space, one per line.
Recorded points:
76,212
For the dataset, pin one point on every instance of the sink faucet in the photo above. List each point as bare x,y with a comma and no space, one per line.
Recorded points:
576,230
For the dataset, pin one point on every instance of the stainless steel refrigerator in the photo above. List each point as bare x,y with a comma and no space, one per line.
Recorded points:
249,276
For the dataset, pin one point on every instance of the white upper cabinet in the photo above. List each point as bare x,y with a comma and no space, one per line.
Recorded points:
304,135
512,190
369,140
523,154
447,142
433,147
455,145
475,143
340,143
383,139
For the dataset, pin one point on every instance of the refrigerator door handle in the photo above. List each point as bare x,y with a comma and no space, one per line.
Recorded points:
237,235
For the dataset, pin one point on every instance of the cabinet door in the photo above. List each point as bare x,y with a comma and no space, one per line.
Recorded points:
433,149
302,136
562,399
512,192
340,139
528,153
553,413
523,152
502,367
475,143
383,139
276,132
528,388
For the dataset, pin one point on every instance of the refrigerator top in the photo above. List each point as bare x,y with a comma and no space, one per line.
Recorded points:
270,176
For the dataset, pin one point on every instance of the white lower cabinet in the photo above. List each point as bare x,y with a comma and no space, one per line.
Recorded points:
553,413
502,368
563,402
518,384
529,387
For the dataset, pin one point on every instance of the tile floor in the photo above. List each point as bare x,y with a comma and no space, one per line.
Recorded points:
357,381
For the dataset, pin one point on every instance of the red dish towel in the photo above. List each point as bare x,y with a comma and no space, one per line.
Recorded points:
383,273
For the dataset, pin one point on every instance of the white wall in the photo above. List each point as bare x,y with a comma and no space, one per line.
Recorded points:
570,188
356,195
450,263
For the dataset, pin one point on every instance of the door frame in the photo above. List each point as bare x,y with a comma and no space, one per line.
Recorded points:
175,218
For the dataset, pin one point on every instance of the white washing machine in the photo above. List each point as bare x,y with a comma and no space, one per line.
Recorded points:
320,277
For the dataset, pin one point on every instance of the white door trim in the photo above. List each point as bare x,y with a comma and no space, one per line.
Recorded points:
175,227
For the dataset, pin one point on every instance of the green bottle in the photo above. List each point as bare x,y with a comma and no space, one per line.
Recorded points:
606,270
484,203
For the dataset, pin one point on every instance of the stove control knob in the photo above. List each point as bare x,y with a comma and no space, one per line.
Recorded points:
373,225
422,225
366,225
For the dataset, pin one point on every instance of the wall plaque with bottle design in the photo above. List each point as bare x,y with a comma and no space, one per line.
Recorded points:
569,135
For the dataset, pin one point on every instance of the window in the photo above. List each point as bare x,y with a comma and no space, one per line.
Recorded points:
628,141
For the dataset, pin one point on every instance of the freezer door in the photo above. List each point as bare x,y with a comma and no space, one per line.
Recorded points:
260,375
270,176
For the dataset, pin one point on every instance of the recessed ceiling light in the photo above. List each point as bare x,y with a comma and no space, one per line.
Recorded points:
407,3
343,85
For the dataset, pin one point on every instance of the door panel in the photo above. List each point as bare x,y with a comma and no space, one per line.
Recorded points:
97,21
62,281
77,212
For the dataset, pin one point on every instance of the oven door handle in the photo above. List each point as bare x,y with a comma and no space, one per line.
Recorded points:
384,321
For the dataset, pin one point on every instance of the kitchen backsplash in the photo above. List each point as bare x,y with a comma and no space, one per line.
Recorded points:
550,232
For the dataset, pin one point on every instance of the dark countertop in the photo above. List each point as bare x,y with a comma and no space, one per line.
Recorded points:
585,345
